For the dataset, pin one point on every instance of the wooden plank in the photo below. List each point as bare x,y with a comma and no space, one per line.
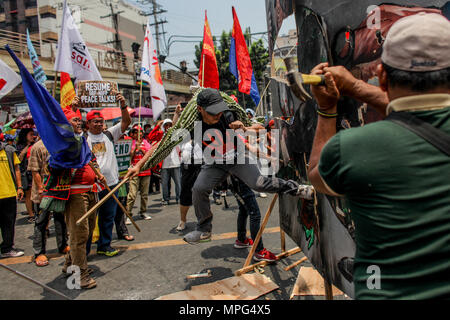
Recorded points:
246,287
310,283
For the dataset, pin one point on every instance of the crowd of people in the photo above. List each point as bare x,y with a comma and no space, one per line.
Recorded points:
32,177
393,173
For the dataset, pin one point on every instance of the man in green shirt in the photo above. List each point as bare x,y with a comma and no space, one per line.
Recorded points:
395,182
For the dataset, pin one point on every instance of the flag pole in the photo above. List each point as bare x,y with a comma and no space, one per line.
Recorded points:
54,84
203,71
140,101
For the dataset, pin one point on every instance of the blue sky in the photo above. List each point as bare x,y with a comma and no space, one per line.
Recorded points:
186,18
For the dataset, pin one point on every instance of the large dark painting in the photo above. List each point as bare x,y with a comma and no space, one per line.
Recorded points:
348,33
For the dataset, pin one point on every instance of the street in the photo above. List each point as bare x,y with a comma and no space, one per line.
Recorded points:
156,263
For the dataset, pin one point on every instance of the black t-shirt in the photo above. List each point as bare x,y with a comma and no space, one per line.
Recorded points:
219,140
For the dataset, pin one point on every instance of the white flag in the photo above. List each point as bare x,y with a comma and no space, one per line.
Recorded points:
150,73
73,56
8,79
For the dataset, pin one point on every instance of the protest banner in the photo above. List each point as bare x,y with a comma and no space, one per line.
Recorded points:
122,150
97,94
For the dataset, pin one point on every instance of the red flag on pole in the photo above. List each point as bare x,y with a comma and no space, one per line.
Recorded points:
208,75
243,65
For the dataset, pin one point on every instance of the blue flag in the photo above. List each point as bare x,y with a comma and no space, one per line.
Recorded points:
240,62
38,71
65,148
254,92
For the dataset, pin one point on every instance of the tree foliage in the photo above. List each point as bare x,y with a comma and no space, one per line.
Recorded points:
259,56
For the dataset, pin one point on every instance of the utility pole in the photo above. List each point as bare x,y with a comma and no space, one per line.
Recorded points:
117,42
155,13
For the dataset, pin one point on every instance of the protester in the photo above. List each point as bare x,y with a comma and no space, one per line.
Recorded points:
10,139
250,114
157,133
153,137
248,208
119,219
140,183
147,129
171,170
191,159
24,143
81,199
102,146
37,165
216,119
10,178
394,180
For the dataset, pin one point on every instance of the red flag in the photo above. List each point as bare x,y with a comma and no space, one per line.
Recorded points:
67,93
244,64
208,75
67,90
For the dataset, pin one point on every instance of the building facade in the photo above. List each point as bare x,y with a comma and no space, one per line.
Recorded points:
112,30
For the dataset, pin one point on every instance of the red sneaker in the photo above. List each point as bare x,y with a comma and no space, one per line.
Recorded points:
242,245
265,255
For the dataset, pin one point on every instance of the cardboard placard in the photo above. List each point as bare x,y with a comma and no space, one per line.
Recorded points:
122,150
97,94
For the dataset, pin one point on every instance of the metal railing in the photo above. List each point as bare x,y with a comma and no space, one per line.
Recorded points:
18,42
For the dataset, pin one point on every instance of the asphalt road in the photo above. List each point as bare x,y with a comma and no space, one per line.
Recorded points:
156,263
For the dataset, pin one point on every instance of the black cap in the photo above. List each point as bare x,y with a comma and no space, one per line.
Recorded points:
211,100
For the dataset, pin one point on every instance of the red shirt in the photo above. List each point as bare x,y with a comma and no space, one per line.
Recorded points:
83,180
145,146
155,135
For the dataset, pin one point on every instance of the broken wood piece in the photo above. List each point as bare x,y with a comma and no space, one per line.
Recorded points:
206,274
264,263
245,287
310,283
295,264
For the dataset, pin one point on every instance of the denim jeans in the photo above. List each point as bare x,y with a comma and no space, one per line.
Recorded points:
248,208
106,215
212,175
175,174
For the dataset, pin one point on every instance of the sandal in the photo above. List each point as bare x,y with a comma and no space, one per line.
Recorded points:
128,237
41,260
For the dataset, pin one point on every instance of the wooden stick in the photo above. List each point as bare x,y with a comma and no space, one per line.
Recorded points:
328,290
140,102
283,241
54,84
261,229
264,263
97,172
295,264
102,201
